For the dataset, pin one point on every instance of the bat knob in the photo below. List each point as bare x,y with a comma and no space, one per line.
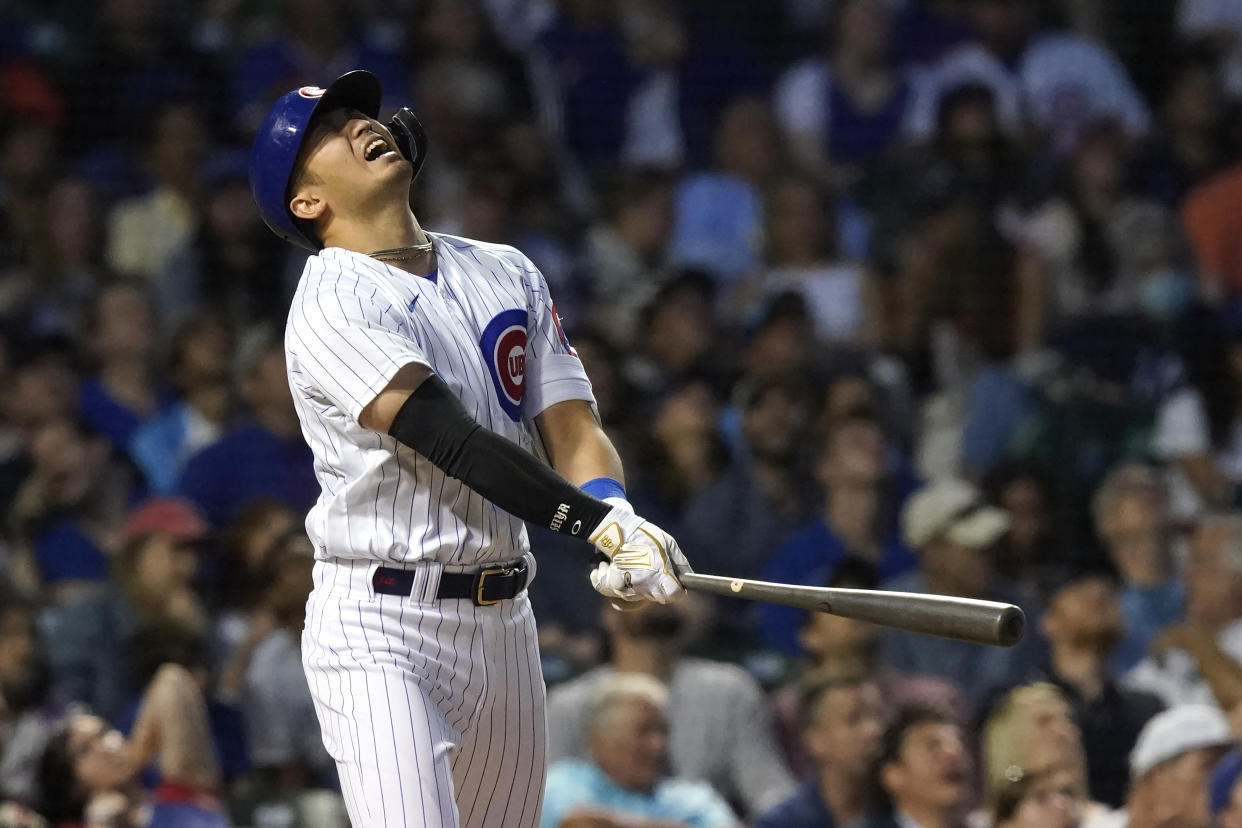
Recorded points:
1010,626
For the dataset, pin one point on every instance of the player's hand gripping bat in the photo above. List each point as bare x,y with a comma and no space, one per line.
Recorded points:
966,619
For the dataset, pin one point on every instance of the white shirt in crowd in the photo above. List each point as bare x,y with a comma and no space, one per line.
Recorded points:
1061,82
1182,431
1174,677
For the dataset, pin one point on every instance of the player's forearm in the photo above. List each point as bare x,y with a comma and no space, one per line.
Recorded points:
576,444
434,423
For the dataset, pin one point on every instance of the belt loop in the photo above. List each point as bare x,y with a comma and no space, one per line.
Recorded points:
426,583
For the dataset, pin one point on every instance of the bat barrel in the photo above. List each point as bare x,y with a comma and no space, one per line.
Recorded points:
965,619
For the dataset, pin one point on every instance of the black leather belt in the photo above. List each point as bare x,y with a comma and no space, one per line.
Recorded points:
485,587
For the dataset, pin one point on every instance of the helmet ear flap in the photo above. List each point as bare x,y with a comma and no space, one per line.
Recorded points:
410,137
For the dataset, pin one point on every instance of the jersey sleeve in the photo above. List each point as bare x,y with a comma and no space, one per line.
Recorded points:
346,343
553,371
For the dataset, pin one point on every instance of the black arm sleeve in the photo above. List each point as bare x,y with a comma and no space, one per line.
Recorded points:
434,423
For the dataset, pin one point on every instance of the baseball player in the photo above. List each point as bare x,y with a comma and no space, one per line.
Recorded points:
427,369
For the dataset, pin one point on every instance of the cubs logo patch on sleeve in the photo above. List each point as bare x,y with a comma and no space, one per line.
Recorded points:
504,351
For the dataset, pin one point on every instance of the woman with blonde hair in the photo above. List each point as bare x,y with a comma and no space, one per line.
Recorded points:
1032,733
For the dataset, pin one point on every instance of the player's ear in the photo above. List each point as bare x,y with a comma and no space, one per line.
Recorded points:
307,204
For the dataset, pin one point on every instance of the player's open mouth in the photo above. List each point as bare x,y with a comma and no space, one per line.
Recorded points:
376,149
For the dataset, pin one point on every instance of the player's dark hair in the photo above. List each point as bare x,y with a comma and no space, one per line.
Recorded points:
60,797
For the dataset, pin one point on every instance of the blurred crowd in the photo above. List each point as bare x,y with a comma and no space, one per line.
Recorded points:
935,295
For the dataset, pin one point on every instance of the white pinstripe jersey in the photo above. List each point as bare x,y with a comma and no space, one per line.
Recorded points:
485,323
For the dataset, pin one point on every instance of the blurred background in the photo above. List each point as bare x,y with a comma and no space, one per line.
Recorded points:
938,295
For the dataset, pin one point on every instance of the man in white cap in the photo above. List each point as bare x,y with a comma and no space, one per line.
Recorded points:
1171,766
953,530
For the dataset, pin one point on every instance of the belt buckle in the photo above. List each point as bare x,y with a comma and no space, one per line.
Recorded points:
478,588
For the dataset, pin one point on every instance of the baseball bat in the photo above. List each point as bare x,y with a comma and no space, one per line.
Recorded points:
966,619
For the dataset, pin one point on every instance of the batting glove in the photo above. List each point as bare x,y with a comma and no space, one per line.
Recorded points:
643,559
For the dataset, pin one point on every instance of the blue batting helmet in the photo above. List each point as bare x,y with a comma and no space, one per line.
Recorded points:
276,146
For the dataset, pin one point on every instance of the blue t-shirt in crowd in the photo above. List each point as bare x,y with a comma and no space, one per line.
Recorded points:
1146,611
115,421
809,557
64,553
805,809
248,464
573,783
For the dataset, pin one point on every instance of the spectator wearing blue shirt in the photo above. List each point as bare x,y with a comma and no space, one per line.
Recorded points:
201,370
1131,511
66,506
843,721
855,522
719,213
123,393
955,531
265,456
624,783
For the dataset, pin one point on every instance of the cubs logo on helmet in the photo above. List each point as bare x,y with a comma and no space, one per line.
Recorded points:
504,350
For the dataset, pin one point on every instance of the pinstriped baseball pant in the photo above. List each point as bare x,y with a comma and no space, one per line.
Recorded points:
433,710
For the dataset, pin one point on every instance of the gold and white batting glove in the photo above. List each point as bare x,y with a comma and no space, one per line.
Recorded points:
643,559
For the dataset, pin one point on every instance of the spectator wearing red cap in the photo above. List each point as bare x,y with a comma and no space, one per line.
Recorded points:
151,584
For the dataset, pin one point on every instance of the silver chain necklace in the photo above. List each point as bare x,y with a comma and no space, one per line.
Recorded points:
401,254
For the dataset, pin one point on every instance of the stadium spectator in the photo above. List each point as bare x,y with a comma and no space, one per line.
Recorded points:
720,728
88,773
1032,729
677,336
844,108
264,674
1093,238
623,783
1212,226
1044,799
1082,623
124,392
855,522
1171,766
145,230
623,256
1199,425
263,456
1131,513
1059,82
27,707
740,520
718,214
923,772
199,370
152,584
954,532
842,723
1191,145
1030,554
801,256
230,264
835,647
1199,657
66,510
